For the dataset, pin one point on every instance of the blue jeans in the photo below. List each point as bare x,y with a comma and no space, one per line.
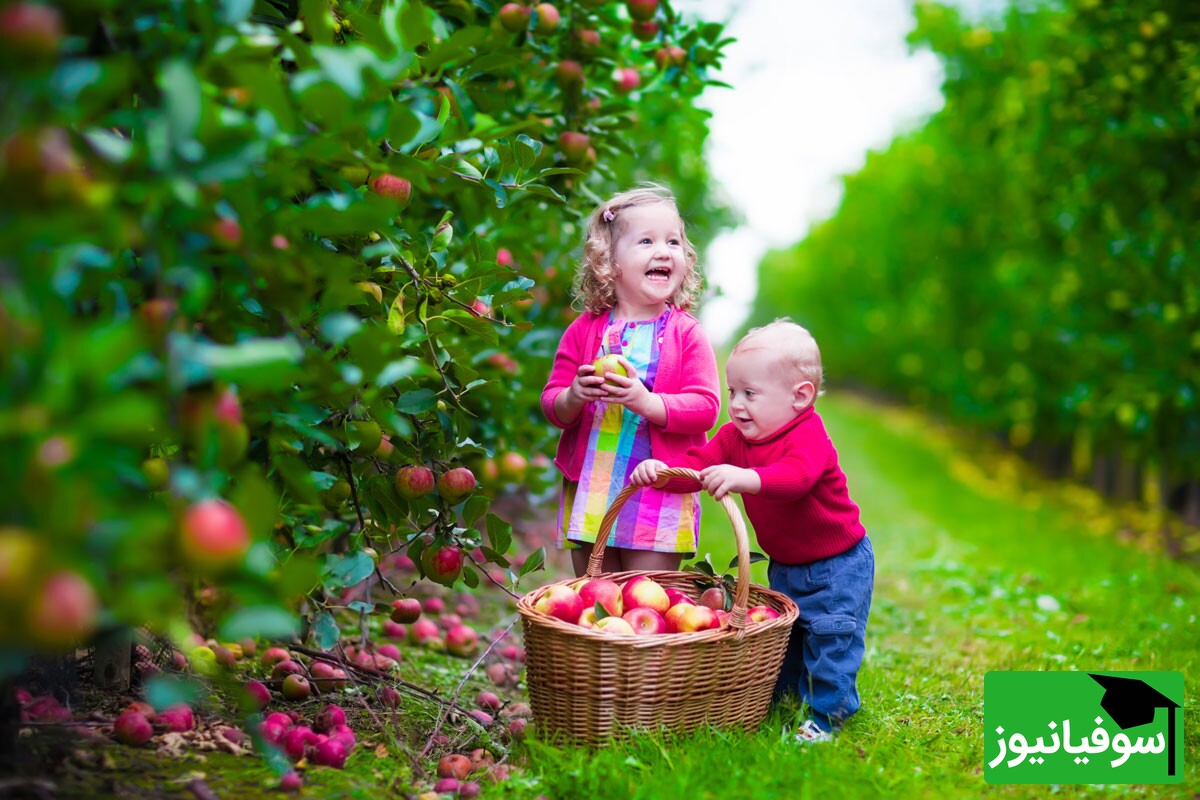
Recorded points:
828,640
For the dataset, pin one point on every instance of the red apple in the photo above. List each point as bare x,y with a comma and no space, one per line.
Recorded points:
177,718
291,782
227,232
433,605
297,740
547,18
423,631
257,695
642,9
273,655
331,716
512,466
414,482
30,31
488,701
761,613
455,765
569,75
714,598
645,621
561,602
514,17
392,186
63,611
461,640
442,564
588,40
406,610
296,687
504,257
574,146
132,728
454,485
213,535
696,618
614,625
609,364
676,597
286,667
626,80
393,630
642,592
645,31
605,592
143,708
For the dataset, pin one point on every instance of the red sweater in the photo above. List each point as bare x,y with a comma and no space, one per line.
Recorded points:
803,512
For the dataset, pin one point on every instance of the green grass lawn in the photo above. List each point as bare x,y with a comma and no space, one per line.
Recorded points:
976,571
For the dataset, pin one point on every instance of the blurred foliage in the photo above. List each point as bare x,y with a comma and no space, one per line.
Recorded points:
1025,262
205,292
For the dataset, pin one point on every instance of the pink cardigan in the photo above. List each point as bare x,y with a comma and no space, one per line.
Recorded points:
686,381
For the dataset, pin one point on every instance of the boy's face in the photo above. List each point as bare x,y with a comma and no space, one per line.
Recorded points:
762,396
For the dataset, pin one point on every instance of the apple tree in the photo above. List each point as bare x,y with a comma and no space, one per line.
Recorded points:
257,256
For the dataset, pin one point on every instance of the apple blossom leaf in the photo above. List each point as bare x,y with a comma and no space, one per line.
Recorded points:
601,611
499,533
182,101
362,607
325,631
527,151
755,558
347,570
260,621
544,191
535,561
496,558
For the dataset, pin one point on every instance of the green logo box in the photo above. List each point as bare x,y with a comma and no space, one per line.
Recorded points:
1083,727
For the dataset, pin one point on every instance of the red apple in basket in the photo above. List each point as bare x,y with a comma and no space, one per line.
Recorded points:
614,625
696,618
723,619
587,619
605,592
714,598
643,592
560,602
645,621
761,614
676,597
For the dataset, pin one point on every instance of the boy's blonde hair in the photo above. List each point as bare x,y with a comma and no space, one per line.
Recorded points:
794,348
596,278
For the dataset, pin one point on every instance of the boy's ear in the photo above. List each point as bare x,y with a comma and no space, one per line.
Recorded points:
803,395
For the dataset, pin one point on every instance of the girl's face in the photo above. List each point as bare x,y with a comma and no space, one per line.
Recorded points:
649,257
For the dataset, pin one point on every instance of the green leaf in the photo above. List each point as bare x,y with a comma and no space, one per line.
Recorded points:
527,151
417,402
601,611
473,324
163,691
347,570
474,509
260,621
470,577
340,326
181,100
499,533
535,561
235,11
261,363
325,631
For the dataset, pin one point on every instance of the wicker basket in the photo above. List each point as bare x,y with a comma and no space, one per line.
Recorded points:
587,686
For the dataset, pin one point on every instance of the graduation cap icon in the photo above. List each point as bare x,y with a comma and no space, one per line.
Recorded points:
1132,702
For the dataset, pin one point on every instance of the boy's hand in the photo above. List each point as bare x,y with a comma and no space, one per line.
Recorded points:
721,479
646,473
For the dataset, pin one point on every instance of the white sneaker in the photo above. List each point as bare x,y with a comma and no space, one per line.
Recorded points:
811,733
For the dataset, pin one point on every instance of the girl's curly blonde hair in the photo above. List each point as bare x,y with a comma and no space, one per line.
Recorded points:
596,278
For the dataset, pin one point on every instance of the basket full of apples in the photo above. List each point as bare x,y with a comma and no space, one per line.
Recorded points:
612,653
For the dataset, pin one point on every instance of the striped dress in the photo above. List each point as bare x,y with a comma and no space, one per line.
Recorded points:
651,519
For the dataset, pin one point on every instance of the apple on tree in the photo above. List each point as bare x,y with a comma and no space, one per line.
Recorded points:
456,484
442,564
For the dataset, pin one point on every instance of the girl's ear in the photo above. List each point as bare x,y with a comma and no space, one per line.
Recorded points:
803,395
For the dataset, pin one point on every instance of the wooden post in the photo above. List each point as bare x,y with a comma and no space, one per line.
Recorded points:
113,657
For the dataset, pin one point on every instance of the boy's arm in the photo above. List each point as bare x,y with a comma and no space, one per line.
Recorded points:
795,474
694,407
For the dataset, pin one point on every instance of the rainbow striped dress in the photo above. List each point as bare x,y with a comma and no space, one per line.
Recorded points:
651,519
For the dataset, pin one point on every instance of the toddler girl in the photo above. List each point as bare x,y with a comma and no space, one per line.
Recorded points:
637,282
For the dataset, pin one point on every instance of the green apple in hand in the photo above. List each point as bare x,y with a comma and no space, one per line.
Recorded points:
609,363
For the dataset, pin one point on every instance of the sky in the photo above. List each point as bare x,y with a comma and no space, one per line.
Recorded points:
817,84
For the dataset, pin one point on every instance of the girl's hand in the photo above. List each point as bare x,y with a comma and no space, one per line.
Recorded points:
646,473
721,479
628,391
587,385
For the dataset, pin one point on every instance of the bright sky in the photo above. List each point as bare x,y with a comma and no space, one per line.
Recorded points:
817,84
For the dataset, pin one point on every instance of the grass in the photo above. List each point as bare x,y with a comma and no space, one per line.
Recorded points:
979,568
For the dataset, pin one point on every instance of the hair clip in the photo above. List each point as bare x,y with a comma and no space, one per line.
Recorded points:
608,215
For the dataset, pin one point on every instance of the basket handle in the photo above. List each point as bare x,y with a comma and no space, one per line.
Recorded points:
741,592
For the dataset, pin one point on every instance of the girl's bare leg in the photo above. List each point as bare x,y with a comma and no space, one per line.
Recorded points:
581,554
649,561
